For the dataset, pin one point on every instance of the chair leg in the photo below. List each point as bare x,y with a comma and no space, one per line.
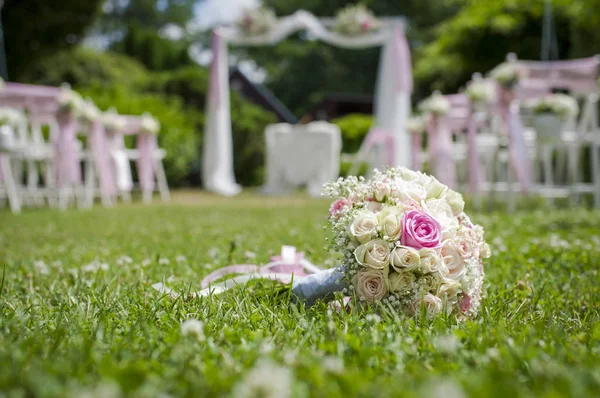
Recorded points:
161,180
596,174
11,186
126,196
90,180
32,182
548,172
147,197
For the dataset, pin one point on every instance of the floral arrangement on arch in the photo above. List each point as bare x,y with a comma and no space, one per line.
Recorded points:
258,21
406,242
561,105
355,20
481,91
436,105
112,121
508,74
89,112
70,101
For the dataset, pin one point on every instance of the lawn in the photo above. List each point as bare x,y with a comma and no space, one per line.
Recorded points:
78,316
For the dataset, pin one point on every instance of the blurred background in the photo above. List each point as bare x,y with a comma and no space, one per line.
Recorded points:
153,55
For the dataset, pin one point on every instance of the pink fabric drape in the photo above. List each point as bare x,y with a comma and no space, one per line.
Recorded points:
473,155
439,143
101,152
147,146
416,143
68,170
519,158
402,59
385,138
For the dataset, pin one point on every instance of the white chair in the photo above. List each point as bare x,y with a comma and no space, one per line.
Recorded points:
9,187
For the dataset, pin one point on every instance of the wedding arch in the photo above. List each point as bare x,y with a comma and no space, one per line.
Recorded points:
392,93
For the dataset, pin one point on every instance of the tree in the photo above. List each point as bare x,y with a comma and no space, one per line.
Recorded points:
34,29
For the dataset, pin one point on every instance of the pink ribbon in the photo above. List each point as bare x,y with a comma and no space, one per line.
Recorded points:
509,113
68,170
214,90
439,143
101,153
147,146
379,136
402,61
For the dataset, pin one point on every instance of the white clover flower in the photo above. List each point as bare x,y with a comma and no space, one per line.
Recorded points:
193,327
95,266
41,267
267,379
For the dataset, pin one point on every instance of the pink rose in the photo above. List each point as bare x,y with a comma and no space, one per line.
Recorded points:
420,230
465,303
338,207
365,26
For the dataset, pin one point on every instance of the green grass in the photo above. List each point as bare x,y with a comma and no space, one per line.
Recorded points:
67,332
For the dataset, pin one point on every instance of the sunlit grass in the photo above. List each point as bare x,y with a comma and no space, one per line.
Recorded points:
71,326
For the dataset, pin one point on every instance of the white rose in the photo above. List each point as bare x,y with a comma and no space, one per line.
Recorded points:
403,257
455,200
381,192
410,190
374,207
364,226
485,251
401,281
448,290
390,220
453,260
408,174
429,283
431,303
373,254
431,261
441,211
434,188
371,284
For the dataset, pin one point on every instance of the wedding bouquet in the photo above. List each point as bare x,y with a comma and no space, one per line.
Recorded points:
405,241
481,91
561,105
356,20
257,22
150,124
436,105
508,74
415,125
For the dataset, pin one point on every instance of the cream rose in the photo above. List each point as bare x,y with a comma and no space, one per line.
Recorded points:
431,261
429,283
381,192
434,188
431,303
373,254
364,226
455,200
448,290
374,207
405,258
371,284
401,281
453,260
390,220
410,190
441,211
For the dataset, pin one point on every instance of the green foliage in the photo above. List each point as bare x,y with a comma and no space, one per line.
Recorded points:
73,330
35,29
354,129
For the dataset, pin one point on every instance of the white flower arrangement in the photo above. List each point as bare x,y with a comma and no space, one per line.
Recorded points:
406,242
10,116
415,125
508,74
481,91
112,120
89,112
355,20
561,105
149,124
257,22
436,105
70,101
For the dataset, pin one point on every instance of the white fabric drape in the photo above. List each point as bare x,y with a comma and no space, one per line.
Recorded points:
392,97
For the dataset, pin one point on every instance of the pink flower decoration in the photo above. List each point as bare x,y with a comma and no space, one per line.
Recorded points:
365,26
420,230
339,206
465,303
